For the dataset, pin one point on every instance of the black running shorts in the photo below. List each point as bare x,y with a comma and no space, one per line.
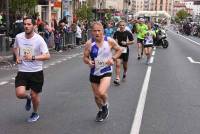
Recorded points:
150,45
140,41
31,80
124,56
96,79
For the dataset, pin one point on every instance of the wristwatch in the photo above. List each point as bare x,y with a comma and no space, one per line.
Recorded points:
33,57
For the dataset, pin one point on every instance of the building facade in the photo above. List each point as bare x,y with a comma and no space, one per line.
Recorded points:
152,5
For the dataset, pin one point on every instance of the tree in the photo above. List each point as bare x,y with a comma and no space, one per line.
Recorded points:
181,15
84,13
23,7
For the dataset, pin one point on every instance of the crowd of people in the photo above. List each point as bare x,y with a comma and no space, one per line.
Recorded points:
54,32
100,58
108,46
188,28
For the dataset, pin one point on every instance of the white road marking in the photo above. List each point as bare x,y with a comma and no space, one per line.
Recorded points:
192,61
153,53
135,129
3,83
45,67
151,59
52,64
76,54
190,40
58,61
187,38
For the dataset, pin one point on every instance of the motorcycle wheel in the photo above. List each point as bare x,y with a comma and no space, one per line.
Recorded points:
165,44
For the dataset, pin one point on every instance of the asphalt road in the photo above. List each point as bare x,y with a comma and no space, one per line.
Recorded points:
162,98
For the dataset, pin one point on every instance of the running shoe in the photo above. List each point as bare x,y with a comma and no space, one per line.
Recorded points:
116,82
138,57
28,104
147,61
105,112
99,117
33,118
124,76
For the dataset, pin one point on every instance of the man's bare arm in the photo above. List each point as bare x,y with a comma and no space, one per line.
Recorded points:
116,47
86,54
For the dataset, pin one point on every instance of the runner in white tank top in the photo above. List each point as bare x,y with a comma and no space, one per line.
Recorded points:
100,55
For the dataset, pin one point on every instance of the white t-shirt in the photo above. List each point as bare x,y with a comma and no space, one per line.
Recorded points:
78,32
36,46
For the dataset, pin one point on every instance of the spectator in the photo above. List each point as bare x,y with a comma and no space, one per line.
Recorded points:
1,19
47,33
78,34
57,40
18,26
109,31
40,25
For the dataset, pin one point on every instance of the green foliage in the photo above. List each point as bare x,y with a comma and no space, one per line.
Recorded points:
181,15
84,13
177,20
108,16
23,7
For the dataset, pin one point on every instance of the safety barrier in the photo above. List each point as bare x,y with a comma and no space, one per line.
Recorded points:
68,40
4,45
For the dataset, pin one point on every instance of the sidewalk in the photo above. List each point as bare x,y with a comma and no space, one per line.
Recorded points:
6,60
7,72
9,58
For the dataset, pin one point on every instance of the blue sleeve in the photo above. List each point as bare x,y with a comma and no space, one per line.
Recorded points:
130,36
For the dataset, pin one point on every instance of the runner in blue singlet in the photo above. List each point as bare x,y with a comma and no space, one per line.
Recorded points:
98,55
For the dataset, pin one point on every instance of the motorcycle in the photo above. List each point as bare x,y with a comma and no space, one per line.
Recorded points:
161,39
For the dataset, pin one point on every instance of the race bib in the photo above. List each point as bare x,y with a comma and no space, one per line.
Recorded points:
148,41
124,49
99,63
25,51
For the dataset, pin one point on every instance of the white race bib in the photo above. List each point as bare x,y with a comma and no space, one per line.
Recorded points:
124,49
100,63
148,41
26,50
